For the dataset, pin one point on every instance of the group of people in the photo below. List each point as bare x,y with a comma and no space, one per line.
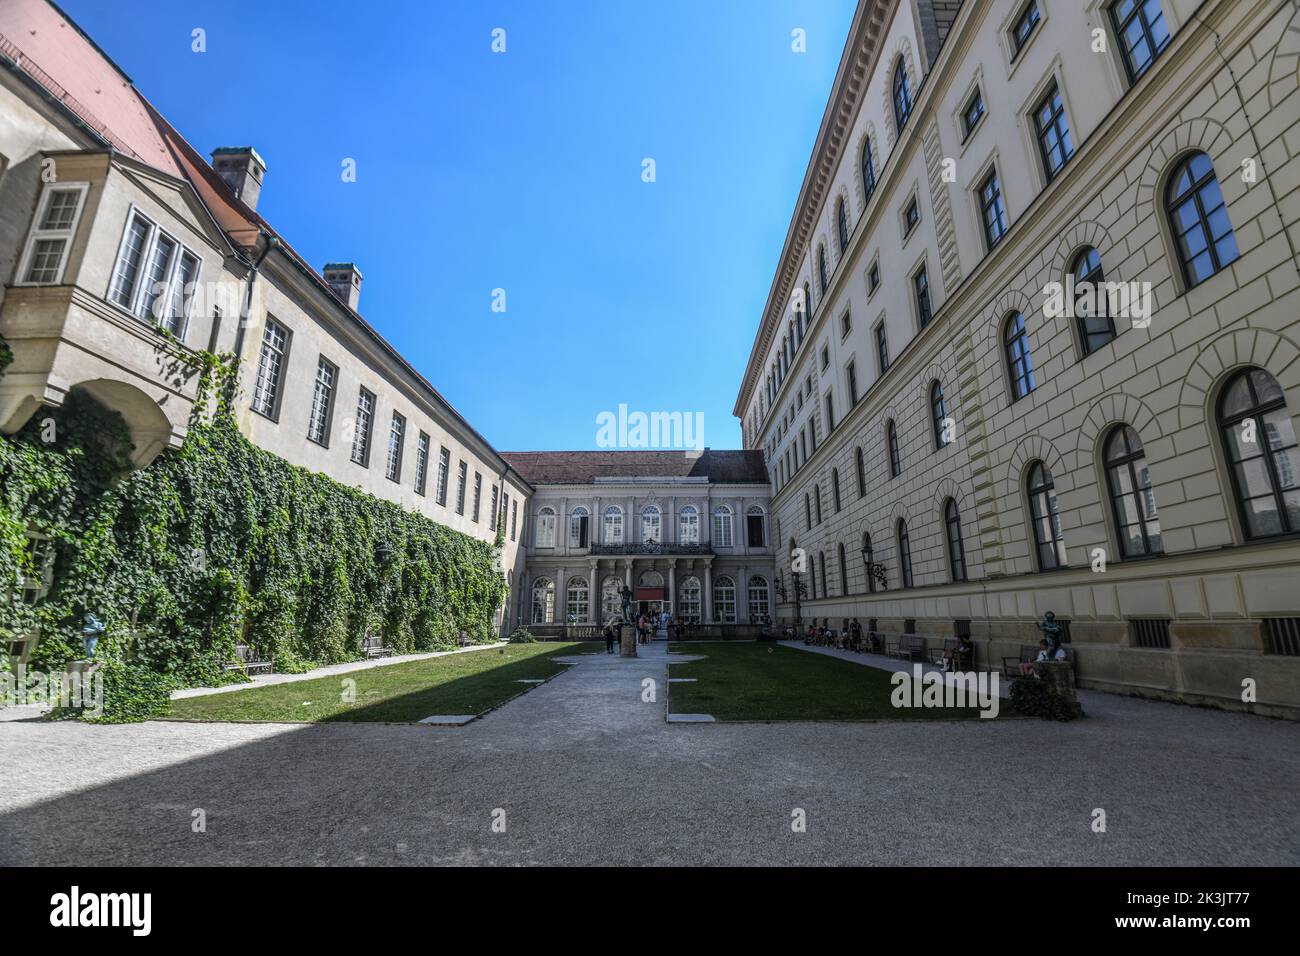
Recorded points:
1045,654
848,637
646,626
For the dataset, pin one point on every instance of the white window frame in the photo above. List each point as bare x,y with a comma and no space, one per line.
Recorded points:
546,527
136,305
611,531
723,536
688,531
36,233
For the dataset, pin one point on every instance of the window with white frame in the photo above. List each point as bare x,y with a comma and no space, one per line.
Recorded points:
395,435
688,526
444,466
546,528
361,428
492,515
462,475
579,524
577,601
722,527
611,599
650,525
422,465
270,369
53,229
724,600
757,599
154,275
543,601
478,497
322,402
613,533
688,604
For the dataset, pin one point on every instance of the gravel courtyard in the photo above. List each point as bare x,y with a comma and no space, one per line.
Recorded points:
587,773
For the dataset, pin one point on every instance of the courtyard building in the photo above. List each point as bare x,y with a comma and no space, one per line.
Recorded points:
1033,341
689,534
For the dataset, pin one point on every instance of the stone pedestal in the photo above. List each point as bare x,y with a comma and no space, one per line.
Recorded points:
627,641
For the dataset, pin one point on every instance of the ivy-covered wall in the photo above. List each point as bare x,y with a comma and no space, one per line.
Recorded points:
221,543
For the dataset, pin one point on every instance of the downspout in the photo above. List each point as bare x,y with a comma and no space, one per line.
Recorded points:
272,242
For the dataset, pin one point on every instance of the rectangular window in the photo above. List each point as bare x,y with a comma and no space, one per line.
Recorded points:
1024,27
396,433
514,519
873,278
492,515
846,324
1150,632
826,357
973,113
270,369
1053,132
851,376
882,348
53,228
362,426
754,530
462,471
1140,26
992,209
921,283
444,465
322,402
154,276
911,216
421,463
478,495
830,412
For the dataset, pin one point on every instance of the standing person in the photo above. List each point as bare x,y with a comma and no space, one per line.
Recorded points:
609,638
641,625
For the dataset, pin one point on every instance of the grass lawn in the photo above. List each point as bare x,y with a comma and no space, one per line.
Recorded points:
766,682
469,683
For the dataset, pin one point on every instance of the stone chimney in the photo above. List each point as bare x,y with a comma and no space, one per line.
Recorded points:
242,169
345,279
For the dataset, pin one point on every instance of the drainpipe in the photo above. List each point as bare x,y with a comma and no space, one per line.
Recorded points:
272,242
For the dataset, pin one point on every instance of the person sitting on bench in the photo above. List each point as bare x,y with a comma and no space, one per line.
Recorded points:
964,651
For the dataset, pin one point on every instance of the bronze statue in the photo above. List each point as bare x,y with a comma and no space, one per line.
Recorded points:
1051,634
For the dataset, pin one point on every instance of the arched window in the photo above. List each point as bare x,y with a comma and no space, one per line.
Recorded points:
577,605
805,311
895,459
862,472
1049,540
868,170
844,573
613,525
1020,366
688,605
823,275
543,601
956,552
722,537
939,412
1132,499
578,522
611,599
902,97
758,606
546,528
868,559
724,600
812,576
821,563
817,502
835,488
1261,447
755,527
842,225
1199,218
651,531
1091,304
807,510
688,525
904,554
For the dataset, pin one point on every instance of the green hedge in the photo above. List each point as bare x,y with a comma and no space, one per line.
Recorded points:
220,543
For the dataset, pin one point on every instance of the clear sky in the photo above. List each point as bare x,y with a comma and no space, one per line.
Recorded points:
520,171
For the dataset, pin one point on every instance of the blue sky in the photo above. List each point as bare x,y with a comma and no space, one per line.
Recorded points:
519,171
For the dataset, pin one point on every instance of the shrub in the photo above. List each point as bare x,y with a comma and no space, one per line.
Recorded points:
521,635
132,693
1037,698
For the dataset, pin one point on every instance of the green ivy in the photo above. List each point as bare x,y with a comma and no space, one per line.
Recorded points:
221,543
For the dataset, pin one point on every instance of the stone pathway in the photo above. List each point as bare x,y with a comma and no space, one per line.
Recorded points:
587,773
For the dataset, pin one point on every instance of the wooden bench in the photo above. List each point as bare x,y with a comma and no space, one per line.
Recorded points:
911,647
373,647
964,661
1011,665
249,661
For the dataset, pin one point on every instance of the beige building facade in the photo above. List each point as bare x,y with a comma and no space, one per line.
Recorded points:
943,398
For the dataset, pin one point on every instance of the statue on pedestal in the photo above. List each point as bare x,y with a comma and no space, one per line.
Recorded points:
1051,634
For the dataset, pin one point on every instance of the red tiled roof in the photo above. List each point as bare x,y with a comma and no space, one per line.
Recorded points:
583,467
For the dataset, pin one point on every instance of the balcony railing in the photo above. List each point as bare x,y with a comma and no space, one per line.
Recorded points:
651,547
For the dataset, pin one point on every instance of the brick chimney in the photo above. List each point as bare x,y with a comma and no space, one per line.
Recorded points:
345,279
242,169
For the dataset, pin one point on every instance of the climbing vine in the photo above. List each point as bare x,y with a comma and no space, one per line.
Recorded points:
217,544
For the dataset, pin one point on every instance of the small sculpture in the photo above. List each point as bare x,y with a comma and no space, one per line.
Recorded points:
1051,634
92,629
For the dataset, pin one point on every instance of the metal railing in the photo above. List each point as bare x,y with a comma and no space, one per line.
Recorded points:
651,547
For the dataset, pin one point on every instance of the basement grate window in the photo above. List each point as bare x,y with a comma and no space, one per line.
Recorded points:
1150,632
1282,636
